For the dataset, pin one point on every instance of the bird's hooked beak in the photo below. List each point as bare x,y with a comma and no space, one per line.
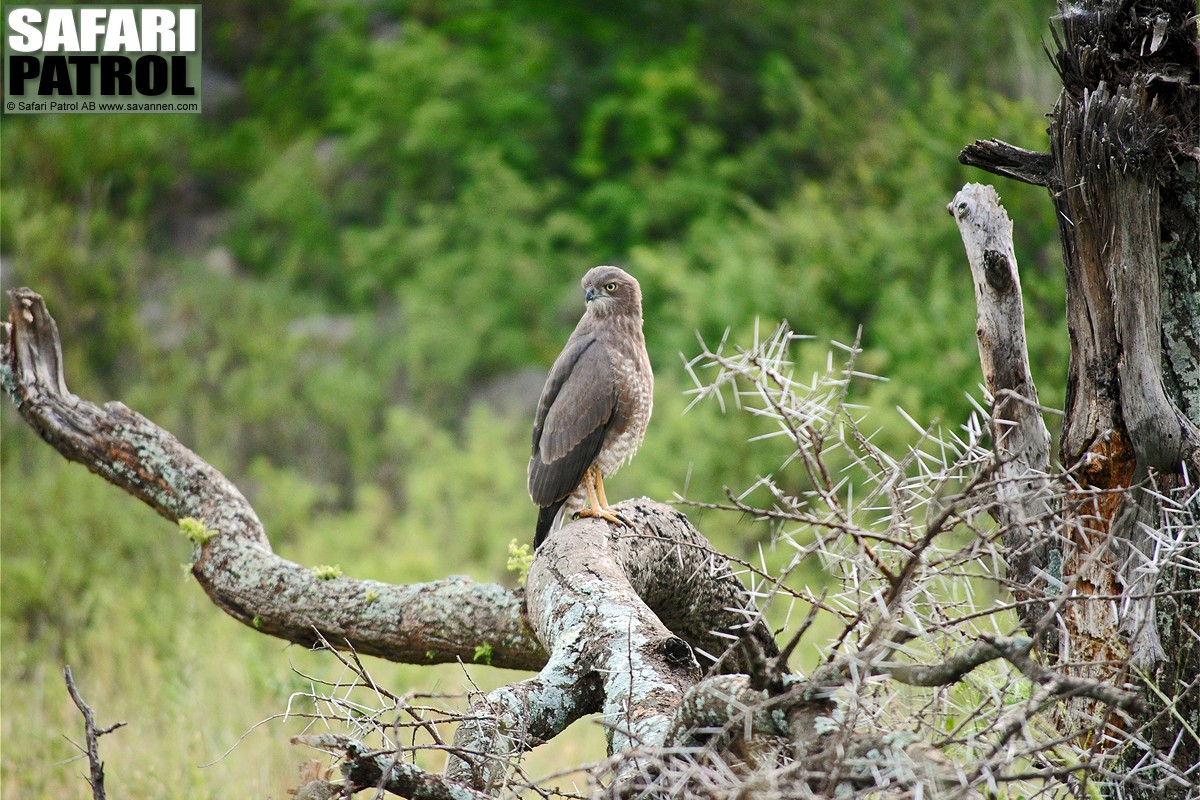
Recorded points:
590,294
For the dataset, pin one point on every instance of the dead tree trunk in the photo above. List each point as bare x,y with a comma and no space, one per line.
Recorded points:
1123,176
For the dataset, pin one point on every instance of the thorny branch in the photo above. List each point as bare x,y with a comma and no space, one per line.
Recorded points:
912,592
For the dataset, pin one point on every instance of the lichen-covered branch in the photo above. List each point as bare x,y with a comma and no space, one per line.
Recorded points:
584,607
726,704
600,598
514,719
595,593
440,621
1016,651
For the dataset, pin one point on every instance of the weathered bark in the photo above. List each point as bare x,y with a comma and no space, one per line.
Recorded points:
1127,118
600,598
1126,190
1024,494
363,769
1002,158
1180,258
426,623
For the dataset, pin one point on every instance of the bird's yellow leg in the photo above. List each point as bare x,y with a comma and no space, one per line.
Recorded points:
606,512
600,488
593,483
592,509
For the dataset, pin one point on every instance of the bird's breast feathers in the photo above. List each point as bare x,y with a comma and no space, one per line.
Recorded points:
635,398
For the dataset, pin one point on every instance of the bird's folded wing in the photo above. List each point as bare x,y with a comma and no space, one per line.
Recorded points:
577,407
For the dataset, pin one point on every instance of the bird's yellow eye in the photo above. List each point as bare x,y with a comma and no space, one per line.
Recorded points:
610,287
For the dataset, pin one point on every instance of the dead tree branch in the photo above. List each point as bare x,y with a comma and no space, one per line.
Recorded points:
364,769
426,623
1009,161
1021,442
91,736
623,616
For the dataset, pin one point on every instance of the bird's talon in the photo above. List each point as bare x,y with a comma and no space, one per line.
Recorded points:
604,514
613,517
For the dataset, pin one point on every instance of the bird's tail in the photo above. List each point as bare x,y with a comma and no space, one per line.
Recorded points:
545,522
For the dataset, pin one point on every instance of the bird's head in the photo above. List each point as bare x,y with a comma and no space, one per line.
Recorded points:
611,290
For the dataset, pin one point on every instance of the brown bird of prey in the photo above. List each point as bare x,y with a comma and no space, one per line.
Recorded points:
595,406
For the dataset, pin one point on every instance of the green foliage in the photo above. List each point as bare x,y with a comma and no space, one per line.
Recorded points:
195,531
327,572
328,283
483,654
520,558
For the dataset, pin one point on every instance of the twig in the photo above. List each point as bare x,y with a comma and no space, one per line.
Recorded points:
950,671
91,736
1016,652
